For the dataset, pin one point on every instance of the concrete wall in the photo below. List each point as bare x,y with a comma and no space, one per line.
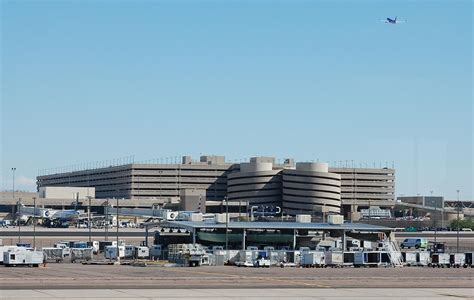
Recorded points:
54,192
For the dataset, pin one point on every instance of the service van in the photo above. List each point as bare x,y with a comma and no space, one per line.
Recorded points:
416,243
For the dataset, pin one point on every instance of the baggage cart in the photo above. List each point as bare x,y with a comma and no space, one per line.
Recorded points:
440,260
334,259
312,259
456,260
468,258
409,258
423,258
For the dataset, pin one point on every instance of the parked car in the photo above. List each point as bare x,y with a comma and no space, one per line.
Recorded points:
417,243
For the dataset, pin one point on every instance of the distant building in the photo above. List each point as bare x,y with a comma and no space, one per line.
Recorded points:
310,188
149,181
431,201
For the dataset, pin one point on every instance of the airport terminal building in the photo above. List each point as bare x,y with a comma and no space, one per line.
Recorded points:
303,187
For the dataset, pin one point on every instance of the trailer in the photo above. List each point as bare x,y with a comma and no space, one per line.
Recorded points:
456,260
334,259
440,260
23,257
313,259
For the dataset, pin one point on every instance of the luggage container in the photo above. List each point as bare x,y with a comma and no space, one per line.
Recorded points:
129,252
440,260
53,254
334,259
312,260
155,252
423,258
81,254
456,260
276,257
94,245
142,252
248,256
358,259
23,257
371,259
409,258
111,252
468,258
349,258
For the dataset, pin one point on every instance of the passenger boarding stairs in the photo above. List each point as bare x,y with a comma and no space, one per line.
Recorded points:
394,253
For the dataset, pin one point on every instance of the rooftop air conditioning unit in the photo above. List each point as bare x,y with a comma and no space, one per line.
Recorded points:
221,218
335,219
195,217
303,218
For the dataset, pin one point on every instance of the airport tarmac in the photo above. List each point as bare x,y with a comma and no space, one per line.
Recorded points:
78,276
280,294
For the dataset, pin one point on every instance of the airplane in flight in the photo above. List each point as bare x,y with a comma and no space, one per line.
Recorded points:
393,21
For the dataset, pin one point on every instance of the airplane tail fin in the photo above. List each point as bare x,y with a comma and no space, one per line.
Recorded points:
396,18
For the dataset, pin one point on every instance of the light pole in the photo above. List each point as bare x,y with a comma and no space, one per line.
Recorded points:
107,220
117,216
34,223
457,234
434,217
226,224
18,207
89,220
13,182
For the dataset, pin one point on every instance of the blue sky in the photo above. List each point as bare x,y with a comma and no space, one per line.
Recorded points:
95,80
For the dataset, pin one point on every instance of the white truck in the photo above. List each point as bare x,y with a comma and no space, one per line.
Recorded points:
23,257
